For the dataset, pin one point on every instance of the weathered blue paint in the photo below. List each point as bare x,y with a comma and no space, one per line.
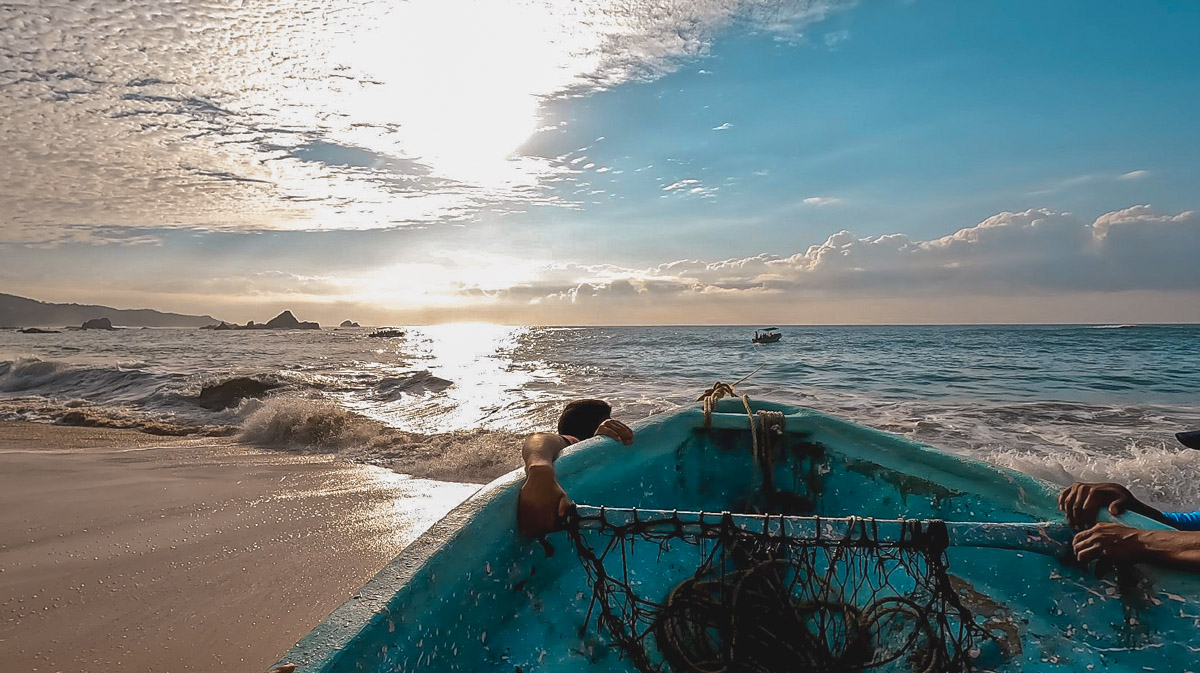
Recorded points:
471,595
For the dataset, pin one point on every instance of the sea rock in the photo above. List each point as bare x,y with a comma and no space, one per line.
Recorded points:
228,393
98,323
34,330
349,323
286,320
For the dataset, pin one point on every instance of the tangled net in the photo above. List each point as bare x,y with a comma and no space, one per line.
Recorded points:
765,597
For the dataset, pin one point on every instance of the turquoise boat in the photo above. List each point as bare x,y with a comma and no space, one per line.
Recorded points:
766,538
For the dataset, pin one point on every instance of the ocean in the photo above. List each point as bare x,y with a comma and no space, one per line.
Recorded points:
1098,402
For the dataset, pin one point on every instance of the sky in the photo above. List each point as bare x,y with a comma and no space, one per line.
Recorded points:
605,162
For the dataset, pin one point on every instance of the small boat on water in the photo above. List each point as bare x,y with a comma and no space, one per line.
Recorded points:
768,335
738,536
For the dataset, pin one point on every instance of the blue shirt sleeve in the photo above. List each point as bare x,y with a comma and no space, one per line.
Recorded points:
1183,520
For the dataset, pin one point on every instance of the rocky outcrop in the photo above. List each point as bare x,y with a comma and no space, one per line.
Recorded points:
284,320
98,323
349,323
34,330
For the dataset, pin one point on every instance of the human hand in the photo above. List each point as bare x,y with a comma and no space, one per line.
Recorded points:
616,430
541,501
1112,543
1082,501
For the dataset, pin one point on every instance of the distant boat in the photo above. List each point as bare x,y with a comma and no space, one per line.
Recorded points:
387,333
767,335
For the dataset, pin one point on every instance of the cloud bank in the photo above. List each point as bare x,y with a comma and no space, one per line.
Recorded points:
1130,265
1012,254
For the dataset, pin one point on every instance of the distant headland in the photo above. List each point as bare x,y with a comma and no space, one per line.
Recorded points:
23,312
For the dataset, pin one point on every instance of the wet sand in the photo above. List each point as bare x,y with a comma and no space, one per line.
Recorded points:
124,551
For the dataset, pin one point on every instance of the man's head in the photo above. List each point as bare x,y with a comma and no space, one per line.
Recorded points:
581,418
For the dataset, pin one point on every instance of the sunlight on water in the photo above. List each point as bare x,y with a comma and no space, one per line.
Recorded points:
470,382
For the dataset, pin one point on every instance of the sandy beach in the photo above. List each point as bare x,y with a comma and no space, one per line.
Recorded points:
125,551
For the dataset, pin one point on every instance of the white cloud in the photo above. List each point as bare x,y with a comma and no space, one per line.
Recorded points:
723,127
821,201
1034,251
835,38
681,184
1135,175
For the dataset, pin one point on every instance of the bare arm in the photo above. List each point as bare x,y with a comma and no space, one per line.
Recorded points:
542,448
542,499
1116,543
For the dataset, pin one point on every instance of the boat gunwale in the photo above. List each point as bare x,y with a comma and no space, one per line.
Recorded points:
320,649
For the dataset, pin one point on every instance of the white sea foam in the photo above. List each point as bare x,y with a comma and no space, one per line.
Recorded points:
308,424
1161,474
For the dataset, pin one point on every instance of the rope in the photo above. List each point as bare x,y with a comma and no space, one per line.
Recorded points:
771,423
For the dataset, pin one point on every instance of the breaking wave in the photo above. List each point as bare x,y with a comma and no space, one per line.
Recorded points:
309,424
1156,472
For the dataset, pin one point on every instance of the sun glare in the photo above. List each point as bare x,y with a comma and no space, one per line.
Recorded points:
454,85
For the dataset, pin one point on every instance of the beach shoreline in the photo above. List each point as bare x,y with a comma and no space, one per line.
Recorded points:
126,551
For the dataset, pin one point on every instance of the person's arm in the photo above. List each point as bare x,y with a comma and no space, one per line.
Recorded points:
1115,543
1082,501
542,499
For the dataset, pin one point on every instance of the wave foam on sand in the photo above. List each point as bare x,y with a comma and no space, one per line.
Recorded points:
318,425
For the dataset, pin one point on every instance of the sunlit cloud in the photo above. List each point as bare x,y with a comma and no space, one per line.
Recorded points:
723,127
1034,251
1135,175
313,114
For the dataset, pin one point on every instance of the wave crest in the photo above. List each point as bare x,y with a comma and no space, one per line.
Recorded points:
1156,472
299,423
307,424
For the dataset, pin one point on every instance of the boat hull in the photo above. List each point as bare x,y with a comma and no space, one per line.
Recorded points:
470,594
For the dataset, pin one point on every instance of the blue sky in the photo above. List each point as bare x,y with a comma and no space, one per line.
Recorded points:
919,118
806,161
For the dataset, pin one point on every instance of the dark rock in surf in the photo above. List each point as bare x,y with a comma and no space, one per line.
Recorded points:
349,323
229,393
34,330
98,323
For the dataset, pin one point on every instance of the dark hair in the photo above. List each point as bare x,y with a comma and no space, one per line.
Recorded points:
580,418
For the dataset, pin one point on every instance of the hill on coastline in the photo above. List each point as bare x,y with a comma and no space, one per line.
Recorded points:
22,312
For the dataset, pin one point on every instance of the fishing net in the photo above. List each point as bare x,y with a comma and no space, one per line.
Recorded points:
723,593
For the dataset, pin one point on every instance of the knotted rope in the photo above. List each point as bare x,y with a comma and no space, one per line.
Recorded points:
772,423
